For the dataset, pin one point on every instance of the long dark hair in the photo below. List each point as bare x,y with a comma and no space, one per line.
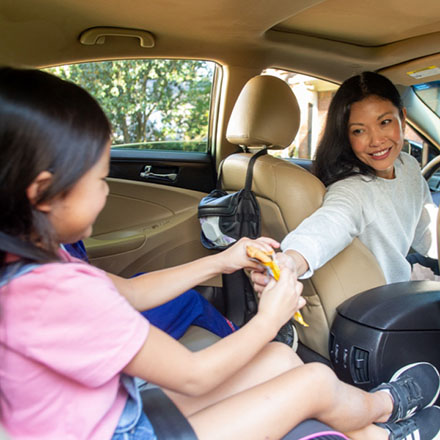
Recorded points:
334,158
46,124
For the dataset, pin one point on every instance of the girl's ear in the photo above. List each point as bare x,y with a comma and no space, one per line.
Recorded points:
33,191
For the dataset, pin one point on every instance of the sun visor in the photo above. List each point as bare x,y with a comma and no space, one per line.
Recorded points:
417,71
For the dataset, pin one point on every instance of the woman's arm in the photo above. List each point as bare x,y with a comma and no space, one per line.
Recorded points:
324,233
155,288
169,364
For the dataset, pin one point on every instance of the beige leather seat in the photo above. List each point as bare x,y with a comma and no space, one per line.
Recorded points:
267,114
196,338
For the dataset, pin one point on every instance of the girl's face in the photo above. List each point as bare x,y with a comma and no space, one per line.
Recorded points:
375,131
73,214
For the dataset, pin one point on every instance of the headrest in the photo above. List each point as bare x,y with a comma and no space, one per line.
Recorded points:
266,114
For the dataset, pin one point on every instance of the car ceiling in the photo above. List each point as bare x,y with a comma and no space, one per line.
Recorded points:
332,39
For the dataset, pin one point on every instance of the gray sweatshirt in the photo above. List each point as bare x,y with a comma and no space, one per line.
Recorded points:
389,216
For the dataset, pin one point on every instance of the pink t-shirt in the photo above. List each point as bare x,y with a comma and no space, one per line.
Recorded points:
65,335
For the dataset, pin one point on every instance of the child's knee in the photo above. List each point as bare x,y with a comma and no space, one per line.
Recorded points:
283,355
191,298
322,375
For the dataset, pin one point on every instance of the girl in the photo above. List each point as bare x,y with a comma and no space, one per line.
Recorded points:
375,191
71,337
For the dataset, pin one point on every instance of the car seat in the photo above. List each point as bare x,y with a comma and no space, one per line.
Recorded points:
266,114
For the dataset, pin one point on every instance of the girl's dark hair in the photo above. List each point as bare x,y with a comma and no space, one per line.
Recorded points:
46,124
334,158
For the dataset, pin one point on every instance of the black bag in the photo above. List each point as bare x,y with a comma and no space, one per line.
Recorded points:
224,218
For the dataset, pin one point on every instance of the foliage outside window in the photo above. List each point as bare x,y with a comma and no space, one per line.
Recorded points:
152,104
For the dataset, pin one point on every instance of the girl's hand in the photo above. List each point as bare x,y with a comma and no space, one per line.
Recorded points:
235,257
280,300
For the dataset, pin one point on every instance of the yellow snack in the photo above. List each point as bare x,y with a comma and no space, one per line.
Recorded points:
298,317
260,255
266,258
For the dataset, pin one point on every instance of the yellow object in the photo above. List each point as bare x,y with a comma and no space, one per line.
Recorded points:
267,260
299,318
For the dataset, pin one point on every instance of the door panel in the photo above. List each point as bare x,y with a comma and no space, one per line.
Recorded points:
146,227
189,170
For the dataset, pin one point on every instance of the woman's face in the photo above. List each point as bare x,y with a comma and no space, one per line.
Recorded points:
375,131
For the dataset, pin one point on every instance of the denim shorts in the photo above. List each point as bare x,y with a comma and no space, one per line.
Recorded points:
141,431
133,423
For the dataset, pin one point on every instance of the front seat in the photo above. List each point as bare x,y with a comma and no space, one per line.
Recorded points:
267,114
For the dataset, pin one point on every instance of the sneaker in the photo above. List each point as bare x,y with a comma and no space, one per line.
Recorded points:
425,425
287,335
412,388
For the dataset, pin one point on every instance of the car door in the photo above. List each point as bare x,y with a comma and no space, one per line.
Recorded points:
161,159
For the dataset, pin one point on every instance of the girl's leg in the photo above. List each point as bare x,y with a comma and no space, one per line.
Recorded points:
272,408
275,358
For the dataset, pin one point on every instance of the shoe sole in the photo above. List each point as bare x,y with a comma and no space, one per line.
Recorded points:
407,367
295,338
437,436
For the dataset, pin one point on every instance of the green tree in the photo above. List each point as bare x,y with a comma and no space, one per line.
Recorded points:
150,100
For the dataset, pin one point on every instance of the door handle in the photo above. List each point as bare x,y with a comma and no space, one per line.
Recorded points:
167,177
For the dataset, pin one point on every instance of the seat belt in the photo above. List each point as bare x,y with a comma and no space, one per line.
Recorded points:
15,270
167,420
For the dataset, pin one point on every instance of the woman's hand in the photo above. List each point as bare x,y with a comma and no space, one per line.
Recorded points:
290,258
235,257
260,278
280,300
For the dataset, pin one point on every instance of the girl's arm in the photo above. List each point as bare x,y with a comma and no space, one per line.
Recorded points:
155,288
167,363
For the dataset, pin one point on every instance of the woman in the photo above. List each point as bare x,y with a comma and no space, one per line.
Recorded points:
374,190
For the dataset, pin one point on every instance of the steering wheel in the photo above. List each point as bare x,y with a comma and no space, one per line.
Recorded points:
431,167
428,171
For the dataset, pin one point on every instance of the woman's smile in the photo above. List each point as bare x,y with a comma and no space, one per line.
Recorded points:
383,154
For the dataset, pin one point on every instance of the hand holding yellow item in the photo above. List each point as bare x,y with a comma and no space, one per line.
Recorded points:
266,258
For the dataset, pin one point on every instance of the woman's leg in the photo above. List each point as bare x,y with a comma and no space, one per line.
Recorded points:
270,409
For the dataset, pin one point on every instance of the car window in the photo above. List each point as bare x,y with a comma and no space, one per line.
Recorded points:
429,93
153,104
314,96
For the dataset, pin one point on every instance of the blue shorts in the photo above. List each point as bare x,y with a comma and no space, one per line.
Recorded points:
133,424
143,430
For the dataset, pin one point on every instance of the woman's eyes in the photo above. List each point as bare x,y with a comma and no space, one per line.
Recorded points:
357,131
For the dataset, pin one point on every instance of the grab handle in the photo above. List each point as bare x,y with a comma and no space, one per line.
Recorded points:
97,35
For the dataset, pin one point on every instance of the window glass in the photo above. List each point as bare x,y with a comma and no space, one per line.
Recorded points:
429,94
314,96
152,104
